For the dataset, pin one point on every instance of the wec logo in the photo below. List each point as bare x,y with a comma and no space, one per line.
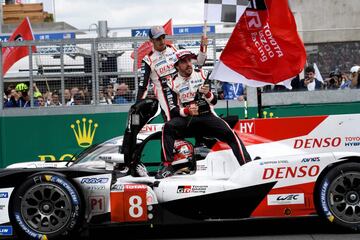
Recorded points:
288,197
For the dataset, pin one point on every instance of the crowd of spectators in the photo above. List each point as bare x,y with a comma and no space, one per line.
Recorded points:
17,95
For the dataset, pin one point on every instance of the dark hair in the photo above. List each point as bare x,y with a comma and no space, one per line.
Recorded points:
309,69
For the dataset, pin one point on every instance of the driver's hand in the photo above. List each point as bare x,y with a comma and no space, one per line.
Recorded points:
204,89
193,110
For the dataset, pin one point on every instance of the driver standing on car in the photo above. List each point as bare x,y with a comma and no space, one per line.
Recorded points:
159,63
191,102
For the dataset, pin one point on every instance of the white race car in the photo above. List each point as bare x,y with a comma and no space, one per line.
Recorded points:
304,172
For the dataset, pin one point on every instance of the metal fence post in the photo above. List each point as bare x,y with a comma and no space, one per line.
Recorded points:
136,78
95,71
31,79
62,78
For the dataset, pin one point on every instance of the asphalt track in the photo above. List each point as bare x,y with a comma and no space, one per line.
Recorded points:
294,229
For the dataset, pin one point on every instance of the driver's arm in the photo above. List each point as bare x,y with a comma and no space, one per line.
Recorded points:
144,80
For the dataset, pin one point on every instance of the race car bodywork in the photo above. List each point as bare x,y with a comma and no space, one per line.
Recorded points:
311,170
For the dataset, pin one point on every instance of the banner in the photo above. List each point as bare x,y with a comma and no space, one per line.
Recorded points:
13,54
264,47
147,46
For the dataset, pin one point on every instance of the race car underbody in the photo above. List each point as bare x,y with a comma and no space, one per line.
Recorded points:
53,202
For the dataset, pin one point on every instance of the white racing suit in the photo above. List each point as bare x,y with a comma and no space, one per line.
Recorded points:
184,91
156,65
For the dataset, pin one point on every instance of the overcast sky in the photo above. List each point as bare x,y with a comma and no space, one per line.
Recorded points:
127,13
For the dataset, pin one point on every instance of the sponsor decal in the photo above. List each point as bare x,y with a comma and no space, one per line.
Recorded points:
96,188
291,172
2,207
352,141
324,202
247,127
27,230
312,159
196,81
317,142
191,189
70,190
149,128
274,162
97,203
118,187
285,199
135,186
6,231
161,62
4,195
183,89
201,167
94,180
85,132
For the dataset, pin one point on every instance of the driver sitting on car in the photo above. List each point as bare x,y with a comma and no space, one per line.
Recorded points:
191,102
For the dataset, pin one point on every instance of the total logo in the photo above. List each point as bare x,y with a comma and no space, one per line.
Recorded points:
94,180
291,172
317,142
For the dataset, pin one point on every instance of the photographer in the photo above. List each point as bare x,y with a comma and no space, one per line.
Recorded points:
334,81
310,83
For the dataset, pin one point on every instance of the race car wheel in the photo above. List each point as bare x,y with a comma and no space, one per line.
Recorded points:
46,206
339,198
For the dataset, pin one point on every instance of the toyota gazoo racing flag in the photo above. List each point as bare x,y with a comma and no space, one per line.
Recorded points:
147,46
13,54
264,47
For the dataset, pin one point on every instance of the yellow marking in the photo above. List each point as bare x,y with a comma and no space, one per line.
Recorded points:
48,178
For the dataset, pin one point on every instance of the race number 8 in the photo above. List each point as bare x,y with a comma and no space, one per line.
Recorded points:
135,210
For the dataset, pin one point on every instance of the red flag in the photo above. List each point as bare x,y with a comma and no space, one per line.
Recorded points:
146,47
264,47
13,54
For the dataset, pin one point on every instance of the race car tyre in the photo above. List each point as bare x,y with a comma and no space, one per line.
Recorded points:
45,206
339,196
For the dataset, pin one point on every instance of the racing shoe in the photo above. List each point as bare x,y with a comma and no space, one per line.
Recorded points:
166,171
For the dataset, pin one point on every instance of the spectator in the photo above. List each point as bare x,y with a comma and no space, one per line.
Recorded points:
55,100
310,83
104,99
78,99
121,92
345,81
110,92
334,80
233,91
40,102
355,81
67,96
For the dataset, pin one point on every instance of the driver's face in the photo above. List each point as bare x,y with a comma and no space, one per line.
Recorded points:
159,43
185,67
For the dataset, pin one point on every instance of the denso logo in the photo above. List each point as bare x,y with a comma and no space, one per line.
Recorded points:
94,180
165,69
317,142
4,195
188,95
291,172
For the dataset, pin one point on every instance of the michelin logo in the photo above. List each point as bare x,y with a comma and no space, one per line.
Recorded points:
6,231
4,195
